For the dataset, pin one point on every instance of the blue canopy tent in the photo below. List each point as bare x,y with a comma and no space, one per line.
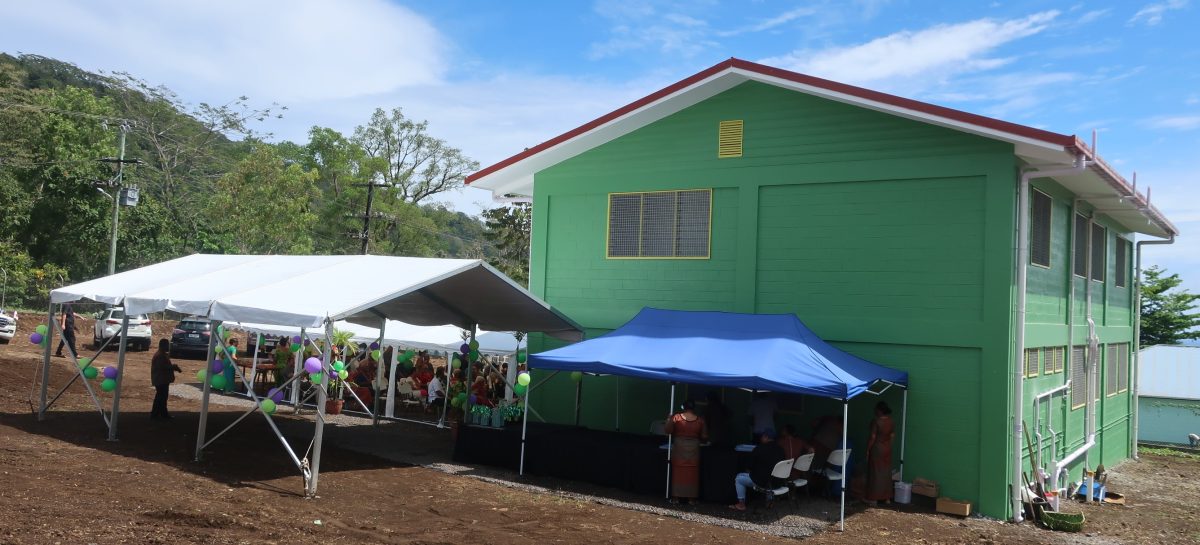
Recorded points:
695,348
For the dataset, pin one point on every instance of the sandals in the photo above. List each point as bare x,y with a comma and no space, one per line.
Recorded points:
738,507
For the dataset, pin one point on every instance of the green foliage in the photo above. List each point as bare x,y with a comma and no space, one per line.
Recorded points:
508,228
26,285
404,156
1163,451
262,205
1169,313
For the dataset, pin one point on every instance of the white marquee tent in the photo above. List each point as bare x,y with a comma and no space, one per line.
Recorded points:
308,292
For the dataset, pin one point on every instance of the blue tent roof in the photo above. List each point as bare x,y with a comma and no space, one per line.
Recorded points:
773,352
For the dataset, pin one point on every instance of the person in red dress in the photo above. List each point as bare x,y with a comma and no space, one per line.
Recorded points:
879,456
687,430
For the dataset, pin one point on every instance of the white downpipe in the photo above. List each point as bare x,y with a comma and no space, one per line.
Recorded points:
1037,424
1022,264
845,461
1137,341
1061,467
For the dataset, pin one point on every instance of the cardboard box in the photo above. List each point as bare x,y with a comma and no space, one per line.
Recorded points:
953,507
925,487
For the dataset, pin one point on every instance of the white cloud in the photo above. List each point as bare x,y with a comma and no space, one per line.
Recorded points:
1178,122
1152,14
1192,100
1092,16
641,25
773,22
917,59
216,49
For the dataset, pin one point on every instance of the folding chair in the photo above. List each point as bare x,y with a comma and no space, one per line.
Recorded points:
408,397
802,465
780,472
835,465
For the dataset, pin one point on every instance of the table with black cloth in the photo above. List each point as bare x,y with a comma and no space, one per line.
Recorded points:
636,463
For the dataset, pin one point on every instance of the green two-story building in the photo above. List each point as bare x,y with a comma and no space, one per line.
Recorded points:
895,229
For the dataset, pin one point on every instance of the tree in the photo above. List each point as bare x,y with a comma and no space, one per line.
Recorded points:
1168,314
508,228
262,205
406,157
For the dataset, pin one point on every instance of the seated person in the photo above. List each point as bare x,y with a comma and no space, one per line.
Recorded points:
762,461
480,390
437,395
360,381
793,446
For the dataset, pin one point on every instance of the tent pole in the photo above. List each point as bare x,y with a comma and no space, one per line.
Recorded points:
670,412
524,428
298,357
116,408
378,377
258,338
845,460
903,429
205,386
322,396
390,407
578,390
46,363
469,365
445,392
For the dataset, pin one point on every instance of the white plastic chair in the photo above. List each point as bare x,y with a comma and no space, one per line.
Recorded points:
407,396
782,470
837,459
803,463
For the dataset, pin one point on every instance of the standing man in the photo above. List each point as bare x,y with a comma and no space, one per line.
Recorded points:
162,374
66,321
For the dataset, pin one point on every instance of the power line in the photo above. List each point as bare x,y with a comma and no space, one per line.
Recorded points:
38,107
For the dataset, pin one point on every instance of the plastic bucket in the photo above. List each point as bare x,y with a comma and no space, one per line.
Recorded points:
903,492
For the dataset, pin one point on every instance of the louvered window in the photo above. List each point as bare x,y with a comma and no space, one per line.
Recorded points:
1081,245
1122,367
1054,357
1121,262
729,139
659,224
1031,361
1099,247
1110,370
1078,377
1041,213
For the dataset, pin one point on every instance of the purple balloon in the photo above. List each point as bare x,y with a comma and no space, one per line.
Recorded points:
465,348
275,394
307,342
312,365
218,366
110,372
35,338
473,398
295,339
374,346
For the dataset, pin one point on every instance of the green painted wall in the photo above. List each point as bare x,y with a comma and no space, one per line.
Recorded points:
1165,420
890,238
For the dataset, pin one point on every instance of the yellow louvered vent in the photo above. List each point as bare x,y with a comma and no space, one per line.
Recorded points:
729,139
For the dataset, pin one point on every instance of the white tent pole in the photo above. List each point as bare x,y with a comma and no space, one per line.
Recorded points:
903,429
205,387
254,363
116,408
845,460
46,363
298,357
670,412
524,428
390,407
319,433
469,365
578,391
378,376
445,392
511,375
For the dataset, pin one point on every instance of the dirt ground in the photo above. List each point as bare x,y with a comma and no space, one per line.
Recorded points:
62,482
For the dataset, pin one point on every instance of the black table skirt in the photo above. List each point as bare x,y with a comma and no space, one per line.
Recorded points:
619,460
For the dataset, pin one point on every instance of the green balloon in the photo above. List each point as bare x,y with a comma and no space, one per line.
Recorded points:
455,364
316,378
267,406
520,389
90,372
523,379
41,329
521,356
576,376
108,385
221,331
343,374
408,365
474,345
455,402
474,355
218,382
375,355
84,362
339,365
202,374
295,347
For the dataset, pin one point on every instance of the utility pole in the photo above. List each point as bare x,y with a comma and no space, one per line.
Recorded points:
112,247
365,234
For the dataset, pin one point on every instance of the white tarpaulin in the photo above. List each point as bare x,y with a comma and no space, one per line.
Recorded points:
436,337
302,291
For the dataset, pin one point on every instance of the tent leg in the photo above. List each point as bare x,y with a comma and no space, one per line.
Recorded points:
389,408
446,400
524,428
378,377
903,429
299,357
206,387
46,363
845,461
670,412
258,338
116,407
578,391
469,365
322,396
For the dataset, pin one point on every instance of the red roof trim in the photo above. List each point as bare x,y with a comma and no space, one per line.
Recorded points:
866,94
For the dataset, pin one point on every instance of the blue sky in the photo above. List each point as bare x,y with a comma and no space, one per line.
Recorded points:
495,77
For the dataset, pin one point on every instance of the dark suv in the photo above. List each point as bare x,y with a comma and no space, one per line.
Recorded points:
190,337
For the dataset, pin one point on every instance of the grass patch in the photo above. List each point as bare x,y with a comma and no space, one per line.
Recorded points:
1174,453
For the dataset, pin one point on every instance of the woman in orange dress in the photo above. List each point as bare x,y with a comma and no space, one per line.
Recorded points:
879,455
687,430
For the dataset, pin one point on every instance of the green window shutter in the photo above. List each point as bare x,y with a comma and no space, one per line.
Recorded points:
1082,234
1120,263
1041,212
1078,377
1099,247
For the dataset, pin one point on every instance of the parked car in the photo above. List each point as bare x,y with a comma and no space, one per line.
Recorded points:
190,337
8,327
109,323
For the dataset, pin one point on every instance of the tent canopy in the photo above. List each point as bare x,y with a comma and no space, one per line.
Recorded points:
773,352
431,337
303,291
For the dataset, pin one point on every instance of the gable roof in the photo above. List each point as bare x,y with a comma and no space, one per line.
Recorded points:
1101,186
